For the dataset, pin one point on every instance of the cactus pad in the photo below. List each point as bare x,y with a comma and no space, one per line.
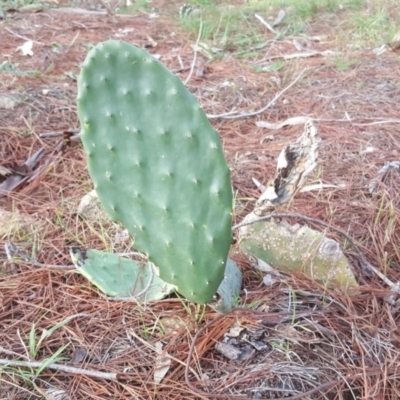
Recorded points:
117,276
157,165
229,288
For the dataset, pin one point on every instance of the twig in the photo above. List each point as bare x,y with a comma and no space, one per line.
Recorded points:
376,121
232,113
253,113
195,53
180,62
266,24
22,37
258,47
59,367
305,54
91,12
58,133
383,121
12,250
176,71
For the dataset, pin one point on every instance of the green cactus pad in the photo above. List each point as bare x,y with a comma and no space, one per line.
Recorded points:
157,165
298,249
229,288
117,276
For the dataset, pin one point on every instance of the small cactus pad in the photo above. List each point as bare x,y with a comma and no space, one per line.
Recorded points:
229,288
157,165
117,276
298,249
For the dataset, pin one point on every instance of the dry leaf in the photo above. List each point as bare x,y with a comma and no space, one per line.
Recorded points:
20,174
163,362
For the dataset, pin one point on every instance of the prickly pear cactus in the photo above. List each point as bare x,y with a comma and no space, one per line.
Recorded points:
117,276
157,165
298,249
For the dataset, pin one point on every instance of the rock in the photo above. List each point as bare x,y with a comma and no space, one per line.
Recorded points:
90,209
298,249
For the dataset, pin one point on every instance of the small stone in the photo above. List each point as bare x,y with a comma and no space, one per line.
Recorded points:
90,208
227,350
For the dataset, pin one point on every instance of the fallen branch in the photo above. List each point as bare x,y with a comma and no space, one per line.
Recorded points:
56,367
73,132
91,12
59,367
22,37
304,54
12,250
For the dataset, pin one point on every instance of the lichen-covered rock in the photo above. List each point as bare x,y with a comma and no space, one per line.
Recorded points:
90,209
298,249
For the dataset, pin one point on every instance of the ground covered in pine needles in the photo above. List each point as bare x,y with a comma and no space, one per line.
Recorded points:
335,346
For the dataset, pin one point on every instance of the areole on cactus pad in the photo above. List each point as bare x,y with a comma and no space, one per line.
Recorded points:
157,165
